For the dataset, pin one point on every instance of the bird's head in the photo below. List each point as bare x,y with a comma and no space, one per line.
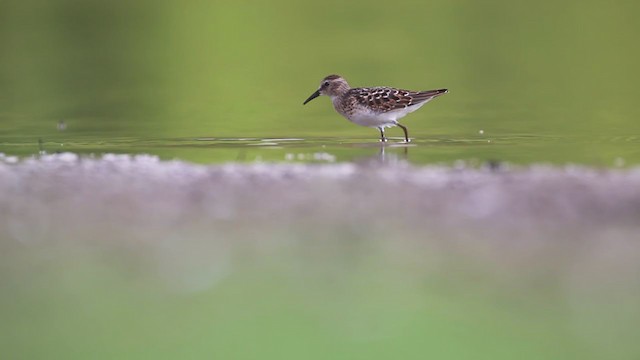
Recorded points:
332,85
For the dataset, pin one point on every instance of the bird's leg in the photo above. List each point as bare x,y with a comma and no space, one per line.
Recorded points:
382,138
406,133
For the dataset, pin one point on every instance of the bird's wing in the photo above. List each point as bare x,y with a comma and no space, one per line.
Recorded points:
385,99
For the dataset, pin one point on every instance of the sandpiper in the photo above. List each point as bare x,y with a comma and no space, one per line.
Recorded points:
377,107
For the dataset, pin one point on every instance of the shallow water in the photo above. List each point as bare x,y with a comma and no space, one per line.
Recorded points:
603,151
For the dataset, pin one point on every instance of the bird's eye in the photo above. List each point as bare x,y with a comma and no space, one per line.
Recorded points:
325,84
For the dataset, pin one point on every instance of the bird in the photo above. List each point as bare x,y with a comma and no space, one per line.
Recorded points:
377,107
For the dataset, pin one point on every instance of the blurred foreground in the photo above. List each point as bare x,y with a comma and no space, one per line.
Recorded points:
132,257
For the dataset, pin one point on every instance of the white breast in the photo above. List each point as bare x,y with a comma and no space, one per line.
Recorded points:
365,117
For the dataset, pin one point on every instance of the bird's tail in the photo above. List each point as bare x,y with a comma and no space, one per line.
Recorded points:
423,96
434,93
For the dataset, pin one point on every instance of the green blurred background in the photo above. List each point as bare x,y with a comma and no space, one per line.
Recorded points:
213,81
545,81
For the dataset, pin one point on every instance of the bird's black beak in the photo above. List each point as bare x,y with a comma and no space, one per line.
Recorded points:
313,96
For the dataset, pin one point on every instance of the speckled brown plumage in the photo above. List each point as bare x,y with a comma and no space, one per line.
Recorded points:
384,99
